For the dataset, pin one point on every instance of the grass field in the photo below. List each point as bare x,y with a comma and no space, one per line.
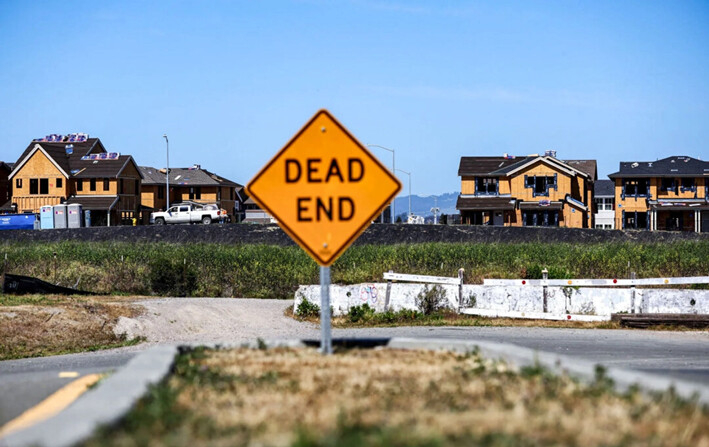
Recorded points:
384,397
265,271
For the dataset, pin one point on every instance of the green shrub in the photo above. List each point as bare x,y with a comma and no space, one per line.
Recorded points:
431,300
173,278
360,313
306,309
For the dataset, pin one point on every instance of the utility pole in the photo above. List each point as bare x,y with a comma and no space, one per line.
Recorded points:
167,172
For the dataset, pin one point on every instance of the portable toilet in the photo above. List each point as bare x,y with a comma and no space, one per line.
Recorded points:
60,216
87,218
73,215
46,217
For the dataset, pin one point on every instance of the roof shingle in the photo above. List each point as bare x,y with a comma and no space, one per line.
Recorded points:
185,176
675,166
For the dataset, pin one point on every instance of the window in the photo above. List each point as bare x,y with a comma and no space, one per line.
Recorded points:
18,183
79,185
136,185
44,186
604,204
540,184
161,192
60,182
540,218
668,184
195,192
635,220
120,186
688,184
485,185
92,184
636,188
106,184
34,186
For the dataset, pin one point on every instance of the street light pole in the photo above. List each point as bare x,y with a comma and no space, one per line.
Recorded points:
393,170
409,174
167,172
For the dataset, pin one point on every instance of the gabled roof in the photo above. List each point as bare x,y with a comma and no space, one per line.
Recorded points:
484,165
71,165
604,188
504,166
587,166
6,166
675,166
61,164
185,177
100,168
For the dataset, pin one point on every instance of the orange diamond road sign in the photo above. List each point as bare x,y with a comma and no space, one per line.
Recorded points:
324,188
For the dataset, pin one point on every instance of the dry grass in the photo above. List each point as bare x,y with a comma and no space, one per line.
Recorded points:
454,319
394,397
462,320
39,325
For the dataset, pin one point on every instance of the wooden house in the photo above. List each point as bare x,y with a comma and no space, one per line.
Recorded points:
70,170
670,194
189,184
526,191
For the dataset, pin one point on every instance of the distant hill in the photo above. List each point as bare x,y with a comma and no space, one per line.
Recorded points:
421,205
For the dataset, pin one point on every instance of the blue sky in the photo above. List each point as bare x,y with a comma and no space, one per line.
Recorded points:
231,81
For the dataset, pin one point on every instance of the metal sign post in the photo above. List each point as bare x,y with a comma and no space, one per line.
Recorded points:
324,188
325,331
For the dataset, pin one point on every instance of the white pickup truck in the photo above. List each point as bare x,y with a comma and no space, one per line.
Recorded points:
188,213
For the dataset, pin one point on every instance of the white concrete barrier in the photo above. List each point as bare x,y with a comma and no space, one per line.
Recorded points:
560,300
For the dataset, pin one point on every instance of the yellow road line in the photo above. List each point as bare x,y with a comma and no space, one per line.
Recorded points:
51,405
68,374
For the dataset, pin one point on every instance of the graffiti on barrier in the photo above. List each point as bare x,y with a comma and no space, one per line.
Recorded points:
368,293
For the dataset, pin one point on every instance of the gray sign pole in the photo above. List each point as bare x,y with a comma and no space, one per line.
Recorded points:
325,332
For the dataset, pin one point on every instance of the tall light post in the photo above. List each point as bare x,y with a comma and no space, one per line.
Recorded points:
393,170
167,172
409,174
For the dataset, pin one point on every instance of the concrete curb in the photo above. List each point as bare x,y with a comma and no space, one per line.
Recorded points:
103,405
108,403
560,364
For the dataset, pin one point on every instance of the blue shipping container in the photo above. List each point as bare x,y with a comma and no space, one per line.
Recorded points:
17,222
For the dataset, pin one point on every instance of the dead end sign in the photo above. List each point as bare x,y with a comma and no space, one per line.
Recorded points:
324,188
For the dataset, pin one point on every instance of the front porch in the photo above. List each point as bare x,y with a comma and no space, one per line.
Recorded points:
687,215
498,211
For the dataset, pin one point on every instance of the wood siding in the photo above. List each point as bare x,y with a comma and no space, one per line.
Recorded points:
639,204
519,191
39,166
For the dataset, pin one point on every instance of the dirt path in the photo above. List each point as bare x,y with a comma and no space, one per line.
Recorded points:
175,320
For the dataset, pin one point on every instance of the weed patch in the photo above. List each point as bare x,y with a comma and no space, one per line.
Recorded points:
306,309
389,397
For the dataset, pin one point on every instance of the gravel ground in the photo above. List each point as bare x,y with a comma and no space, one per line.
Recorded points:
186,320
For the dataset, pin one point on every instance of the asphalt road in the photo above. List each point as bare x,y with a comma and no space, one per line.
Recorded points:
25,383
680,355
